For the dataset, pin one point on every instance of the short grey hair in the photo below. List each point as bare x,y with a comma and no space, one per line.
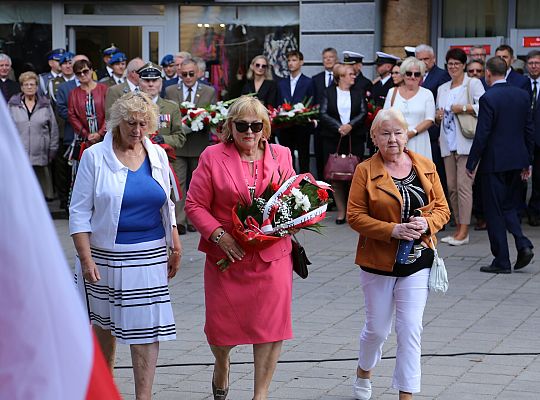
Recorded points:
183,54
201,64
5,57
189,61
129,104
135,64
421,48
387,114
410,62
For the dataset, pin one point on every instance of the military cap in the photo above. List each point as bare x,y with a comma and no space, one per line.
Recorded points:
150,71
167,60
67,56
117,57
350,57
410,51
385,58
55,54
109,51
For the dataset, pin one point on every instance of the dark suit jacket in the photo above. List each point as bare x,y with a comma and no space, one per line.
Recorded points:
504,133
267,94
330,119
516,79
436,77
302,93
62,96
9,88
379,91
535,113
363,83
319,86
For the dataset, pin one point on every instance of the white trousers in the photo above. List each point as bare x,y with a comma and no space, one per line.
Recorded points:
408,296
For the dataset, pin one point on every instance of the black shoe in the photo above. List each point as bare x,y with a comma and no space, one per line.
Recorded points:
191,228
524,257
534,220
181,229
495,270
340,221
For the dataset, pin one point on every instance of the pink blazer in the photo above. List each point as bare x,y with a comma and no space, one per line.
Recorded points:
218,184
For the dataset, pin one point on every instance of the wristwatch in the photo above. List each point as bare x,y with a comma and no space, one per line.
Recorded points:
464,109
415,131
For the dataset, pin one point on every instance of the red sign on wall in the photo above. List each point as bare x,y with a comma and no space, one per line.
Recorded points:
467,48
531,41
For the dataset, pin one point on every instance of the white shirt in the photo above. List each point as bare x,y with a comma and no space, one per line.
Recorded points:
132,86
294,81
99,186
117,79
344,105
185,91
384,80
109,70
537,80
329,78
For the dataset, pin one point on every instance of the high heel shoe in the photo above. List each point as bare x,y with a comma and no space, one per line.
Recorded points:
221,394
340,221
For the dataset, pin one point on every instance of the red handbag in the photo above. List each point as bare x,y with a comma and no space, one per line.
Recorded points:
340,167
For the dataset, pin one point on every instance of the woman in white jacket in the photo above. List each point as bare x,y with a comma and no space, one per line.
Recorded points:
458,96
123,226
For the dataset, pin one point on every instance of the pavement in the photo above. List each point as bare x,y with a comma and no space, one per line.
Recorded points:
481,339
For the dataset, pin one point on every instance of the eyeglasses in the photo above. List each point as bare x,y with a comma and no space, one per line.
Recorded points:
473,70
243,127
533,63
190,73
82,72
263,66
416,74
454,64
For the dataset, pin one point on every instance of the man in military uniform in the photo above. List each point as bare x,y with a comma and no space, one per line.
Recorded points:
53,58
384,64
118,64
131,83
66,67
107,70
187,158
356,60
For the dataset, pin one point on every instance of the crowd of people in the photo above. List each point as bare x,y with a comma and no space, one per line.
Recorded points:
116,143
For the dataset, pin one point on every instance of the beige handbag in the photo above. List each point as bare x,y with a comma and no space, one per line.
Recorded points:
467,121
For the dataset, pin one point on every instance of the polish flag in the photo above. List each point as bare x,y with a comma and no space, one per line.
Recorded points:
47,349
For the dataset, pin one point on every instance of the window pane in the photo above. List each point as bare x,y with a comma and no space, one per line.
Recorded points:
113,9
528,14
480,18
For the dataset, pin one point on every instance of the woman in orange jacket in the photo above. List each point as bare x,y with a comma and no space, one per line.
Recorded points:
397,205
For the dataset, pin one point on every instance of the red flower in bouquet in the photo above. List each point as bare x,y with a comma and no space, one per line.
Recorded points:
183,111
286,107
322,194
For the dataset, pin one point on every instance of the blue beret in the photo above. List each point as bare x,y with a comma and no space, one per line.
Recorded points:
55,54
117,57
109,51
167,60
67,56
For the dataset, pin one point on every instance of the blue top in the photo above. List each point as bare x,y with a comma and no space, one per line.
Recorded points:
140,214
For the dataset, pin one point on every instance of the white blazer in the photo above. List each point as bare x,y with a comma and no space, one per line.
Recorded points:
476,91
99,188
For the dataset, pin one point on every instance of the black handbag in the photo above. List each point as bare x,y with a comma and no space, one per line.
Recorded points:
299,259
340,167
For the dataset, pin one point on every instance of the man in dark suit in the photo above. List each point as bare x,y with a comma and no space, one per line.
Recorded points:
297,88
8,87
321,81
433,78
384,64
512,77
118,64
533,66
502,150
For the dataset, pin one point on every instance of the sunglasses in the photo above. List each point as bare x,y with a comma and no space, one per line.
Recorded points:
190,73
416,74
82,72
263,66
478,71
243,127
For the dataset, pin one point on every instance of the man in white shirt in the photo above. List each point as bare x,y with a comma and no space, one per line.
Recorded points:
384,64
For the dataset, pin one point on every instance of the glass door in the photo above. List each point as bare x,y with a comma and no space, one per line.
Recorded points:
152,43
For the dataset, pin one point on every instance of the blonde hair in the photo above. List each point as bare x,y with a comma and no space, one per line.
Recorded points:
242,107
268,71
389,114
410,62
130,104
26,76
340,69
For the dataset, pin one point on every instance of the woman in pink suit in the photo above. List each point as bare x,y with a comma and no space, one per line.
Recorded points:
250,301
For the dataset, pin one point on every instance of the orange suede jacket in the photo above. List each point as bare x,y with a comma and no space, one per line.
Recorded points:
375,205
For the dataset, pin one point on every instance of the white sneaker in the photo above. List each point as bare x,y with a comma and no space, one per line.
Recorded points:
447,239
362,389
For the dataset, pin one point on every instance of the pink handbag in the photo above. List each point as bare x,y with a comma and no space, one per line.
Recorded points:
340,167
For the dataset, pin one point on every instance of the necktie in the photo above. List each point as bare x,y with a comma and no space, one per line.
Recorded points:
534,95
189,95
330,79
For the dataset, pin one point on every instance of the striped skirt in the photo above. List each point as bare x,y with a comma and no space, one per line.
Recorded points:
132,297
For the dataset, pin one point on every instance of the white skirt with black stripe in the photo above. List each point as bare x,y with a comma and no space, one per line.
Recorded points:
132,297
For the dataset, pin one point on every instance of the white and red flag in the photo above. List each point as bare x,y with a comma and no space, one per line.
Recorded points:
47,350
